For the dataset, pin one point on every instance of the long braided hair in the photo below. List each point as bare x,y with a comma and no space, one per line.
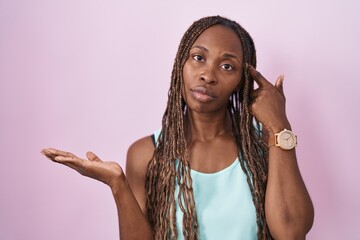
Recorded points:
170,164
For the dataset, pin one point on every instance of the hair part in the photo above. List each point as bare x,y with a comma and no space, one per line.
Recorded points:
170,164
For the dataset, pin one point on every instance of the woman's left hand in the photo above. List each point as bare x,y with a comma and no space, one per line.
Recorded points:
268,103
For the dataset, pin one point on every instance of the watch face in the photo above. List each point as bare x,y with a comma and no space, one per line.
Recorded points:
287,140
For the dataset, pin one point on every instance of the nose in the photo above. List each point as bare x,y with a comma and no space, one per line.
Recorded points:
208,75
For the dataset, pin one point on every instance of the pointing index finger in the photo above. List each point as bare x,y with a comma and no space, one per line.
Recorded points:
259,79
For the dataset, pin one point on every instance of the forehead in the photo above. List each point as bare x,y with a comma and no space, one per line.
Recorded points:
220,37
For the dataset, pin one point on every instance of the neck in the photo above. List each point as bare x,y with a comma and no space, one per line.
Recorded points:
205,127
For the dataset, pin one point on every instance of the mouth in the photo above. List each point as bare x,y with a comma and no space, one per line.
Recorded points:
202,94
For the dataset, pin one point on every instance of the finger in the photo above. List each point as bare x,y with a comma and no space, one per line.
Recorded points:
56,152
280,83
251,109
44,152
48,154
258,78
63,159
75,163
255,93
50,157
82,166
92,157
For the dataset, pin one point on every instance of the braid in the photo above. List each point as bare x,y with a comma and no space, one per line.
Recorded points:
170,164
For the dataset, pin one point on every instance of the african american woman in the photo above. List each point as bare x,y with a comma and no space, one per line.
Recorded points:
223,165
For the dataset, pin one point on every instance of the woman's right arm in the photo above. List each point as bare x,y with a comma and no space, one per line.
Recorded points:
128,191
133,222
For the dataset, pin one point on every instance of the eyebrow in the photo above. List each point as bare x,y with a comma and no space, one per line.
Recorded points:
200,47
226,55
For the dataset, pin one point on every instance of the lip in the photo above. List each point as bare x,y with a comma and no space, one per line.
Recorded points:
203,94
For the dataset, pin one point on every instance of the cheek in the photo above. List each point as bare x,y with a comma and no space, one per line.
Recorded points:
239,84
239,81
188,77
186,73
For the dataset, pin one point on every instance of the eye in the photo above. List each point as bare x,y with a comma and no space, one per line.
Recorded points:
198,58
227,67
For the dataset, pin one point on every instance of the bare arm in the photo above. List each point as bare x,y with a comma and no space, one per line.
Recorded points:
288,207
138,157
133,223
289,211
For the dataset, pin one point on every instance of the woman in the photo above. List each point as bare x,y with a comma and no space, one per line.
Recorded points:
213,172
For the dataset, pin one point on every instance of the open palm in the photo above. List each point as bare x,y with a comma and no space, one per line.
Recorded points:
106,172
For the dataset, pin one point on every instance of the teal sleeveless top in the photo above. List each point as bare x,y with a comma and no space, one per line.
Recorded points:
224,204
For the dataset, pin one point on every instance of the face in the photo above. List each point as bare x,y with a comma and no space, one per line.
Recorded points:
213,70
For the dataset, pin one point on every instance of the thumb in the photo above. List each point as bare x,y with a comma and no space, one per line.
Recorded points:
92,157
279,84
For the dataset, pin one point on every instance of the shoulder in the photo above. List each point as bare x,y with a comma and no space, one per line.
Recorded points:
139,154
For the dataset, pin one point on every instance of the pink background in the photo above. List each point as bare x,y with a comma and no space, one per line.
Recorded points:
93,75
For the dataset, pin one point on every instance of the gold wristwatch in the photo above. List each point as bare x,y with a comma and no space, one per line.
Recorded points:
286,139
